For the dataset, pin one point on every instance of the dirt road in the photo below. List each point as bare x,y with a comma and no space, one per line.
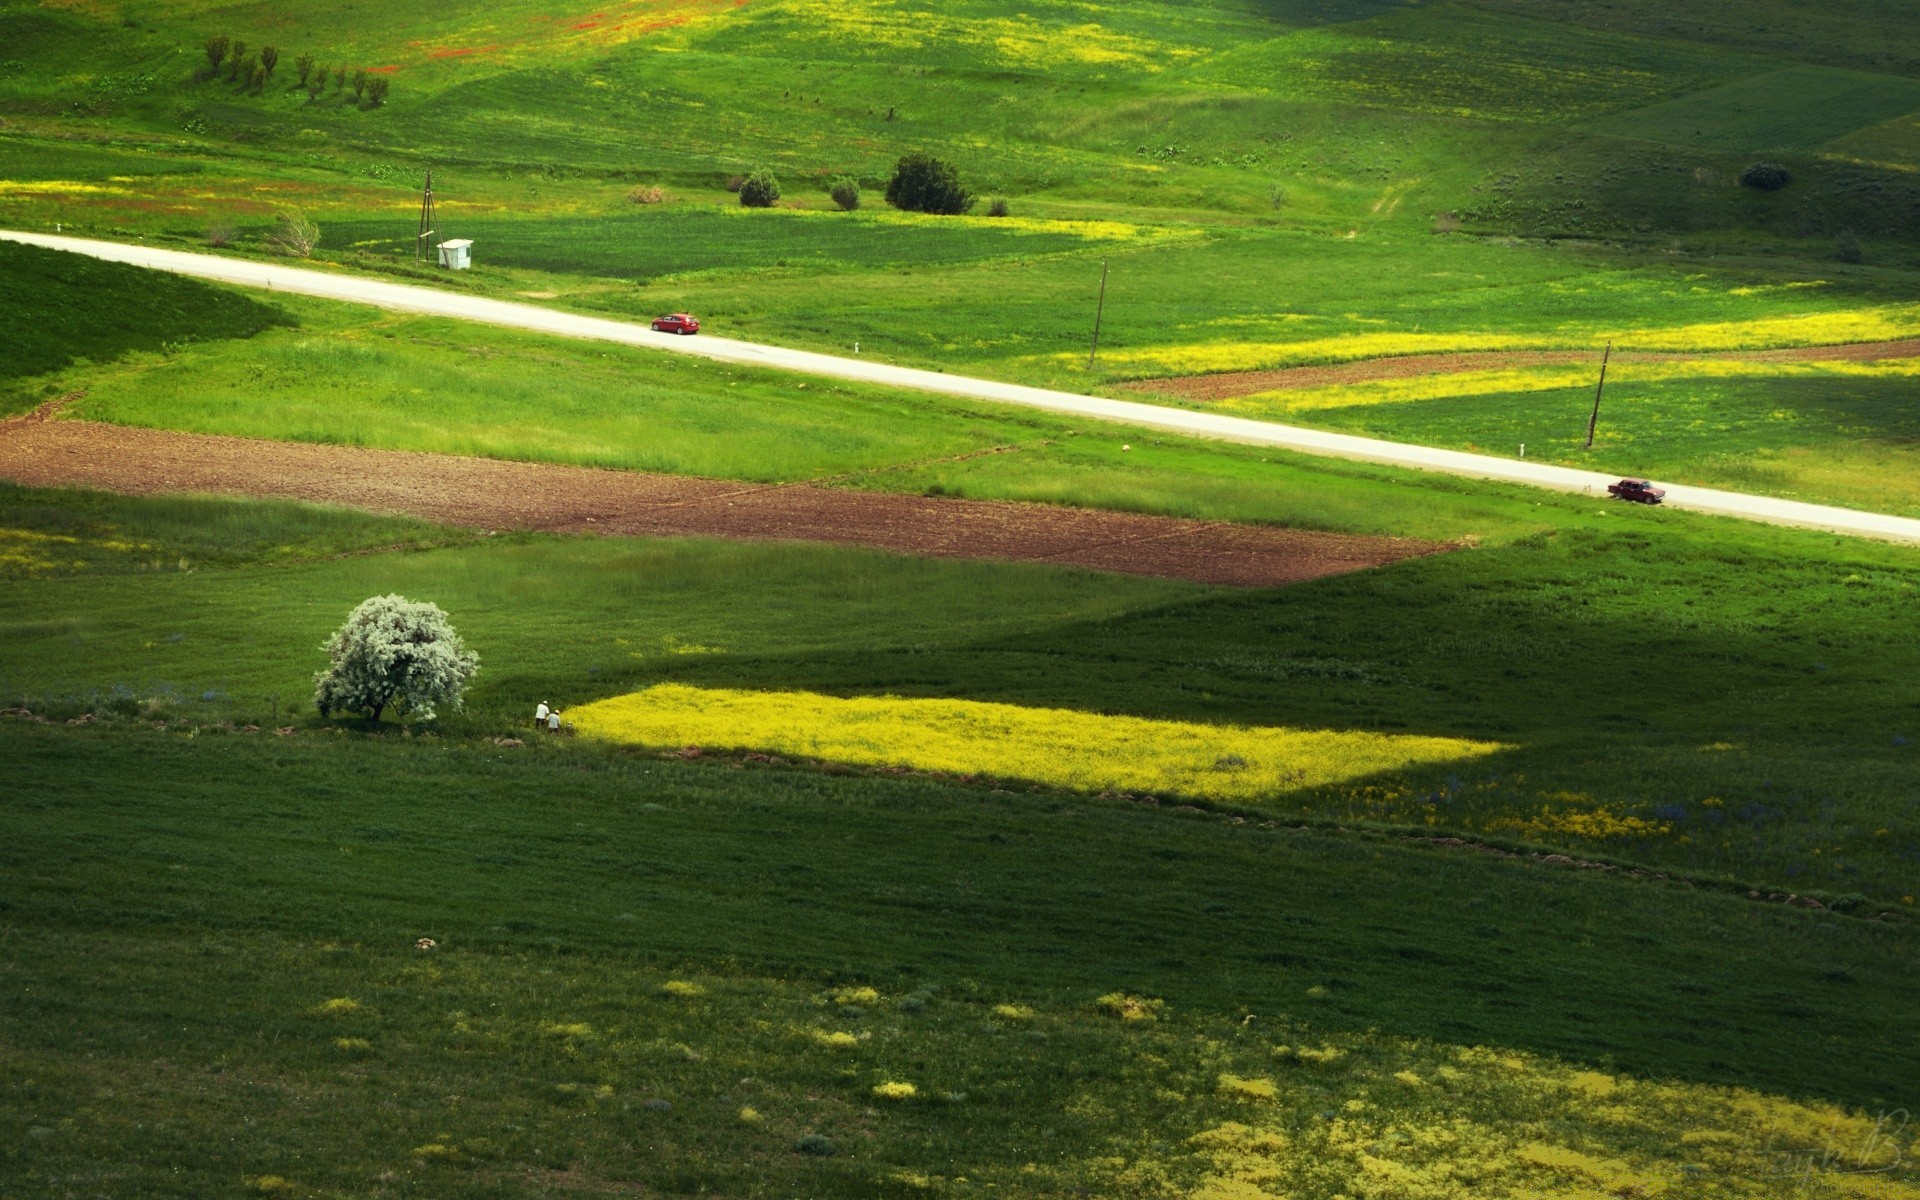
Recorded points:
489,493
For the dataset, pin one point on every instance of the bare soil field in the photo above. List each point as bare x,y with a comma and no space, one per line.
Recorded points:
1227,385
39,451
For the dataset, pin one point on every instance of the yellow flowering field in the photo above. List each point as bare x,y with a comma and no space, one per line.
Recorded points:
1880,323
1457,1121
1061,747
1457,384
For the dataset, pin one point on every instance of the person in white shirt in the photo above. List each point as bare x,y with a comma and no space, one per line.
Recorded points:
540,715
553,721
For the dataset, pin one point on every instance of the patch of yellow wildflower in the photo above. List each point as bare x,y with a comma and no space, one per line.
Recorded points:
339,1006
1501,1124
1463,384
1091,230
1883,323
856,995
58,187
895,1090
835,1040
352,1045
1009,41
682,988
1059,747
29,552
1013,1012
1575,814
1241,1088
1130,1008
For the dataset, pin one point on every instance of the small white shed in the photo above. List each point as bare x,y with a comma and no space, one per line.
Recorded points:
456,254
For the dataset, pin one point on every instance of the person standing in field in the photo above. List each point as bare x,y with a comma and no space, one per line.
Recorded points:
540,715
553,720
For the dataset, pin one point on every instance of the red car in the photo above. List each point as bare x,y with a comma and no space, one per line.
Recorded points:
1637,490
676,323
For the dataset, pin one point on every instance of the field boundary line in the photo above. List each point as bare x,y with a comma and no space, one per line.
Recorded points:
311,281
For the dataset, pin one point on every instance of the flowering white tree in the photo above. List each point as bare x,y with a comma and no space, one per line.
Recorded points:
393,651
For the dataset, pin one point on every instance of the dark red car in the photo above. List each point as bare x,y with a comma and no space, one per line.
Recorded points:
1637,490
676,323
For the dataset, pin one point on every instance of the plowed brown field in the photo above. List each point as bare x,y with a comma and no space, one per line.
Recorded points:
1227,385
492,494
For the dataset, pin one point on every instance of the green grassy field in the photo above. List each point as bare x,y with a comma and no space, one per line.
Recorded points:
1833,433
254,994
537,1041
1281,168
1770,748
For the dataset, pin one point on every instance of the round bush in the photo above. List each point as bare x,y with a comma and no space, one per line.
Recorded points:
845,192
394,652
923,183
1766,177
759,190
818,1145
998,208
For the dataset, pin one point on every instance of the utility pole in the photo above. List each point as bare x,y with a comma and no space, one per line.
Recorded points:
423,244
1098,312
1594,420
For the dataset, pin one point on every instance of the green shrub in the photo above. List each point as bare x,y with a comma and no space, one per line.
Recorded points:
759,190
269,58
845,192
216,48
998,208
815,1144
377,87
923,183
1846,247
237,56
1766,177
304,65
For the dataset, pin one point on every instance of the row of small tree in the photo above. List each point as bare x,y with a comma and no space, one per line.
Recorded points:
920,183
228,57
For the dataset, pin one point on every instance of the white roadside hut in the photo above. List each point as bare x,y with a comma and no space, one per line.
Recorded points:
456,254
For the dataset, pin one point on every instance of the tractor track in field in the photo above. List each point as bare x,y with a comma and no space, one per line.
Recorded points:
1231,384
40,450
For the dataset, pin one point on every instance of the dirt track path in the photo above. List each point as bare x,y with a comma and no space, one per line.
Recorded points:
1230,384
486,493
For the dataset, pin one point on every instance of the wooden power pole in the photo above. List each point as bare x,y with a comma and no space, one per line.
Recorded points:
1594,420
423,244
1098,312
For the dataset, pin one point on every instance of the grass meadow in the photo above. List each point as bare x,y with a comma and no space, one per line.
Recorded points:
1836,433
1833,433
760,948
1289,183
662,975
1769,749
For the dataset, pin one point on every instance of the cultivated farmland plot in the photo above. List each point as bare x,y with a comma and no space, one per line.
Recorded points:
938,798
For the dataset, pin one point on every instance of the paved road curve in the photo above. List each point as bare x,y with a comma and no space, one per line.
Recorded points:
406,297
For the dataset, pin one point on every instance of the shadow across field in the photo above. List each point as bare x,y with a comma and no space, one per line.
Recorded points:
909,883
